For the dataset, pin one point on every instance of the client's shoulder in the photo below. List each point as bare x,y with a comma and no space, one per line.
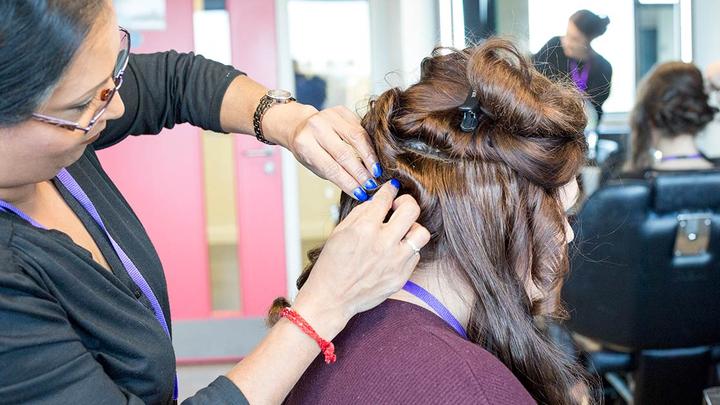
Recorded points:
417,349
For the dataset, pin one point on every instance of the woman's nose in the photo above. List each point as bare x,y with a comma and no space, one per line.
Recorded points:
115,109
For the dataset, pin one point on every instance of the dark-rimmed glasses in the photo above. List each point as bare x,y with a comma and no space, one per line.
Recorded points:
106,95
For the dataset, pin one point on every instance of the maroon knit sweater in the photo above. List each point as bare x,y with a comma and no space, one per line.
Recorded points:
400,353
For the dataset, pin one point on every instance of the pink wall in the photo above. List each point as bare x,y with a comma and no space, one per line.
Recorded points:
161,177
261,247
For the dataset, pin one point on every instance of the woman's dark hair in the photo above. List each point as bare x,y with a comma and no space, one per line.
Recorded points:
489,198
671,100
38,39
589,23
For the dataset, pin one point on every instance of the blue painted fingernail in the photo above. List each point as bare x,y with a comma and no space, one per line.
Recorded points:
360,194
370,185
395,183
377,170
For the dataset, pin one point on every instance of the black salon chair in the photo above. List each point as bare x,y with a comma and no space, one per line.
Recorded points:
645,285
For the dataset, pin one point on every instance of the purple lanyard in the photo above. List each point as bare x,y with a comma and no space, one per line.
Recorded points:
681,157
436,305
579,77
74,188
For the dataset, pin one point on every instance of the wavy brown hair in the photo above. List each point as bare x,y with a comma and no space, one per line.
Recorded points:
489,198
671,100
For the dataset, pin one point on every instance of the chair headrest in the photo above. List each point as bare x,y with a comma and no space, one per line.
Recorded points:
686,191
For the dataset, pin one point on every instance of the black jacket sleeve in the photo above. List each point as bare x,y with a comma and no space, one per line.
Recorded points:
600,91
163,89
44,360
222,391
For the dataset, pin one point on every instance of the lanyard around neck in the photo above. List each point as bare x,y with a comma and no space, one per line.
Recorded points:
682,157
436,305
580,77
77,192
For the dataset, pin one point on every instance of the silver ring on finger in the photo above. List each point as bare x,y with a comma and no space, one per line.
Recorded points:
412,245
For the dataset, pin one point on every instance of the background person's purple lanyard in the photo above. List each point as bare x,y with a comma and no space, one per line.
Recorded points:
436,305
74,188
579,77
682,157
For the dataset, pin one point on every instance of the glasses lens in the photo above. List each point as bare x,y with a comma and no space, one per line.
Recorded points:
123,54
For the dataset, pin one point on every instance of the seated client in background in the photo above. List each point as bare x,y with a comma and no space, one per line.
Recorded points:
670,110
490,148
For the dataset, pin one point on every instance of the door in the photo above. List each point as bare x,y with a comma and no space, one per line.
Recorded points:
211,203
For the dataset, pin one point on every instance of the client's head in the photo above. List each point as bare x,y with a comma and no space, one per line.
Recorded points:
492,198
671,101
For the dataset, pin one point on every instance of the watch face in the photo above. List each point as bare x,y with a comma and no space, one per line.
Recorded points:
279,95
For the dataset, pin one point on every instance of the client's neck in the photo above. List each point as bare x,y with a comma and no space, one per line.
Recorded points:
678,145
680,153
448,288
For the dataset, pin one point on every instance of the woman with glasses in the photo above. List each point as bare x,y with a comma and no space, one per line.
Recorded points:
84,314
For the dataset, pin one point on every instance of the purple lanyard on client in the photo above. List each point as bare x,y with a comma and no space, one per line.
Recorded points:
74,188
436,305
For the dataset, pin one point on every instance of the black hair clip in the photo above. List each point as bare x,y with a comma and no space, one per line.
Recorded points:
471,110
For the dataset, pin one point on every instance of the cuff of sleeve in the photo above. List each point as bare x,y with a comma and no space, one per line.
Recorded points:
228,390
218,97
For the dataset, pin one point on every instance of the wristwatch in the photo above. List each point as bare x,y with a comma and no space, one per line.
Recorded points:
268,100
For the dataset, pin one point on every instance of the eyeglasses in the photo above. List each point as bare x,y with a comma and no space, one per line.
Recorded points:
106,95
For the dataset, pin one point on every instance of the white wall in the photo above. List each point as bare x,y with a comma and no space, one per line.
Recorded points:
706,32
512,21
402,33
706,49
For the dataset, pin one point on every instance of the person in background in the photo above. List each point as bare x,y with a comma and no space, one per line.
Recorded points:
671,108
572,57
490,149
311,90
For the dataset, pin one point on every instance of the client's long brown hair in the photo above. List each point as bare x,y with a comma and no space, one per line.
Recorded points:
489,198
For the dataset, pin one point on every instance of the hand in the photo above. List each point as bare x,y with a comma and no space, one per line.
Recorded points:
363,262
331,143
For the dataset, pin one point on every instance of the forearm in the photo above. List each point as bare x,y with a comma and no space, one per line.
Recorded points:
270,371
363,262
238,110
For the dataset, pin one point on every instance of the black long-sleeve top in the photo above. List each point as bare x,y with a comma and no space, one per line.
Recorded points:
72,332
552,62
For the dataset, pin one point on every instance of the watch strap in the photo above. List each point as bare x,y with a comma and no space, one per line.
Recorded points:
265,103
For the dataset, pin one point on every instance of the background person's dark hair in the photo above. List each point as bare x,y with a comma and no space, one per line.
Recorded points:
489,198
38,39
589,23
671,100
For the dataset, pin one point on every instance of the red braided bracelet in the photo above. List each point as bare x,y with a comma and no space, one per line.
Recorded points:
327,348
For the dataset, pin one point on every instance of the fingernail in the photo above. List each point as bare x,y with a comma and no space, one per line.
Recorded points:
370,185
395,183
360,194
377,170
